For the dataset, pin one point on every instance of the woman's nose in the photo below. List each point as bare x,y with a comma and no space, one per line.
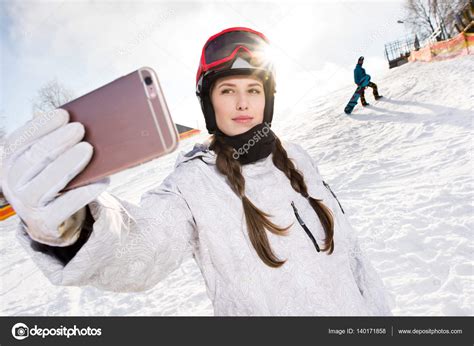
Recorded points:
242,103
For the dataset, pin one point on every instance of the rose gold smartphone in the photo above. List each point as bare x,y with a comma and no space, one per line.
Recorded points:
126,121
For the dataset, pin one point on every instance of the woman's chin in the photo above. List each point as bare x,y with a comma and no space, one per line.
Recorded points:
241,128
237,128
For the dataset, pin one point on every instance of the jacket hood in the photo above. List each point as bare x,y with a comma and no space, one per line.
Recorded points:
200,150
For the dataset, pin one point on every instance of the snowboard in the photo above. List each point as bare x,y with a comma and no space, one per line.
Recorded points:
355,97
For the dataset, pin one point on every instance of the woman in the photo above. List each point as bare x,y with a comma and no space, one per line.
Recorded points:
269,236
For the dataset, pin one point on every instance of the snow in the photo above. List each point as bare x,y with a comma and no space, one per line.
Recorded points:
401,168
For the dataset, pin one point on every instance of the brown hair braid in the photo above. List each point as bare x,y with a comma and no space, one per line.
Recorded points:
257,220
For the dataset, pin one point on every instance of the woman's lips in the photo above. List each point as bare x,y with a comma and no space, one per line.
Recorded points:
243,119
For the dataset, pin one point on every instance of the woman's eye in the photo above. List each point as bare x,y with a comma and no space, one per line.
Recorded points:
252,91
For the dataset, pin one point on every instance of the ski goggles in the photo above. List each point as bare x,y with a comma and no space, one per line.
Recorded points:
224,46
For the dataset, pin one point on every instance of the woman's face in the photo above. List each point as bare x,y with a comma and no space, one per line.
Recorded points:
238,103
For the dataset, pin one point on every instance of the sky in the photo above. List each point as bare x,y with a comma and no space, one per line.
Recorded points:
85,45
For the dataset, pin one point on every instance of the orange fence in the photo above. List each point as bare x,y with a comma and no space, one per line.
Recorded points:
6,211
189,133
459,45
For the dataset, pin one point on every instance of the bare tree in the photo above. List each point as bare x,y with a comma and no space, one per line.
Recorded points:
50,96
425,17
445,15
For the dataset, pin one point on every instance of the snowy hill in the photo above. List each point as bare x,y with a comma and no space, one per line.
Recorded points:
402,169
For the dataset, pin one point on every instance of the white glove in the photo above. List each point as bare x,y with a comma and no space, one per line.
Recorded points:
39,160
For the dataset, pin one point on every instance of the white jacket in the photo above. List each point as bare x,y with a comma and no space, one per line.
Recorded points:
194,212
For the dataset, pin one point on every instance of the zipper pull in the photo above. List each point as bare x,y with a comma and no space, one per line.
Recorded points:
329,188
294,209
308,232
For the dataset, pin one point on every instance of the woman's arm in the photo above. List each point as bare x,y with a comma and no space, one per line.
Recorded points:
123,247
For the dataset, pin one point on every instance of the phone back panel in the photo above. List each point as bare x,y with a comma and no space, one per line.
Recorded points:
125,124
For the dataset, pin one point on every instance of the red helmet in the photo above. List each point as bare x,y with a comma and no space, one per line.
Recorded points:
234,51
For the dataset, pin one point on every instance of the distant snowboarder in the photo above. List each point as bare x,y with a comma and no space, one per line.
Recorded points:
359,74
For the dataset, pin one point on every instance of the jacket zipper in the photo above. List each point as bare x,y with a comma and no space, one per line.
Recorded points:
327,186
301,222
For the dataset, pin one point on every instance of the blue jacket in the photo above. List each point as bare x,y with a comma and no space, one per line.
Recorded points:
359,72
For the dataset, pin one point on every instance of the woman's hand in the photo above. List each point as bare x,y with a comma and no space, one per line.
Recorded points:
39,160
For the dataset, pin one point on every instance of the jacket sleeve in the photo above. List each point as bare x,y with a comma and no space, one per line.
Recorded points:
370,284
123,247
359,73
356,76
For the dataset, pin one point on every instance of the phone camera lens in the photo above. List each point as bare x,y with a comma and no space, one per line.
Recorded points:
148,81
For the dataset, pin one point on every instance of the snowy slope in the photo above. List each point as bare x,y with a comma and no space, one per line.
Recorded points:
402,169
